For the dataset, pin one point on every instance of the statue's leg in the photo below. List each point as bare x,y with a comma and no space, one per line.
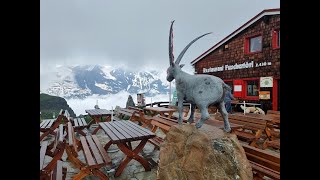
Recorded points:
224,113
193,107
204,116
180,110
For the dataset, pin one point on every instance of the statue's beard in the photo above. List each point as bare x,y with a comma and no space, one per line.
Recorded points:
170,79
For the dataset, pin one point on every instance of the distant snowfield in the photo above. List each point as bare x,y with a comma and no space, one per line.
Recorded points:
109,101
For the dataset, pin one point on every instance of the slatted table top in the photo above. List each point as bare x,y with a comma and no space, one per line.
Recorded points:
46,123
98,112
79,122
125,130
160,109
253,116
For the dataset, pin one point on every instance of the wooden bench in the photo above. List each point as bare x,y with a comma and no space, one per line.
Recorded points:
48,126
164,124
156,141
256,126
273,112
95,155
125,112
263,163
139,116
54,169
274,143
275,122
80,126
273,130
184,114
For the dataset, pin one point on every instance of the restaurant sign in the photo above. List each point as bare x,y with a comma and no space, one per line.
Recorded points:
266,81
264,95
236,66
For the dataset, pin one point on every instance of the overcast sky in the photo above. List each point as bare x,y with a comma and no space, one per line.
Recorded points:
135,34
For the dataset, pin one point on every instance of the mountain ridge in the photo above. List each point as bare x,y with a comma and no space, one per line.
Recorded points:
86,80
51,105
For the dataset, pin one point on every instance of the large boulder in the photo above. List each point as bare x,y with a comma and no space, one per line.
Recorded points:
206,153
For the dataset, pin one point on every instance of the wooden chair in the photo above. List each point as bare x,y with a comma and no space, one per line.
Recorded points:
54,169
48,126
263,163
95,155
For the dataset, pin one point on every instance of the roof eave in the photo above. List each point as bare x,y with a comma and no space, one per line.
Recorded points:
237,31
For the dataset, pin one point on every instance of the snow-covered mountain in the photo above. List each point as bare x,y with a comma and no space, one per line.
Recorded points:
83,81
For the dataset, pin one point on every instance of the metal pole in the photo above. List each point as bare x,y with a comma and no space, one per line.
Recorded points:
170,94
111,113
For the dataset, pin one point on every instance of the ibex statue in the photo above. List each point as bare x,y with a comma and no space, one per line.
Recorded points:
201,90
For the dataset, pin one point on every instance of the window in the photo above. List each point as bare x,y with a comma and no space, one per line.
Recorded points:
253,44
252,88
276,39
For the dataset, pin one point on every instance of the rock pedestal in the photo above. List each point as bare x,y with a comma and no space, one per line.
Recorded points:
202,154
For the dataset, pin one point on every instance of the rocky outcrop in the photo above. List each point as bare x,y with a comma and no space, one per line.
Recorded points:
202,154
51,105
130,102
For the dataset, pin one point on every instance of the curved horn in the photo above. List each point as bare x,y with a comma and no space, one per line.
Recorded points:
171,58
185,49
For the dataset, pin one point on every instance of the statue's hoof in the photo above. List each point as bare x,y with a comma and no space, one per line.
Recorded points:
190,121
227,130
198,125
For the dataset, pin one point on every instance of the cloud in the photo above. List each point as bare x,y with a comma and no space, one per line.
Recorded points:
134,34
109,101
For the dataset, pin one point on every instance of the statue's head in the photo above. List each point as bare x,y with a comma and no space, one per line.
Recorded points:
174,65
171,71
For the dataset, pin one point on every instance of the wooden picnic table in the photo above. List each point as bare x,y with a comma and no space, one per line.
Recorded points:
160,110
270,118
97,115
255,116
47,126
122,133
220,124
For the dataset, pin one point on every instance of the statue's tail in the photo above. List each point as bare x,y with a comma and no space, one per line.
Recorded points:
226,87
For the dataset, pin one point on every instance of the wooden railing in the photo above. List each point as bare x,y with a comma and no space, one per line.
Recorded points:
164,104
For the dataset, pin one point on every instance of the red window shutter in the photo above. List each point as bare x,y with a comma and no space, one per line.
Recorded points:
274,39
238,88
246,45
